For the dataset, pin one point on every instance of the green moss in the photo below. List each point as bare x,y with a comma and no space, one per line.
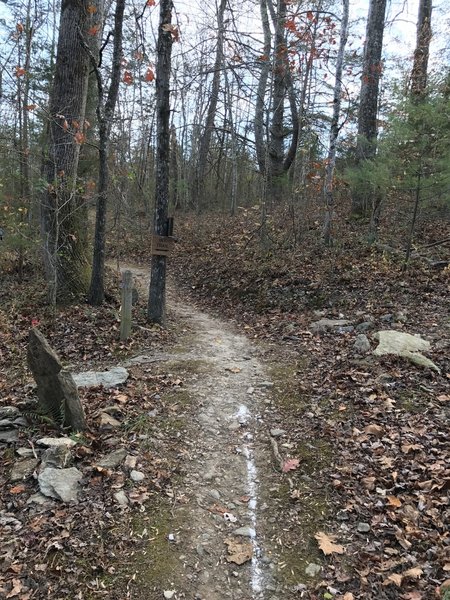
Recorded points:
411,402
286,392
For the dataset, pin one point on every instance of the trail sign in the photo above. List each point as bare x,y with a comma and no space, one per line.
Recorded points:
162,245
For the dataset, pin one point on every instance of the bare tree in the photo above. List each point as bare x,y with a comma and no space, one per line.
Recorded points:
166,33
368,100
422,51
63,218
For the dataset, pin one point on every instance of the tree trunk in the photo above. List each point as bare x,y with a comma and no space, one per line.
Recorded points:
368,100
157,291
63,216
205,140
421,53
334,129
105,115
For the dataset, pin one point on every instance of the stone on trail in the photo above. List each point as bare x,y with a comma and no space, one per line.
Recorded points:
324,325
62,484
112,460
137,476
8,412
61,442
312,570
56,389
405,345
111,378
23,469
362,344
245,532
121,498
9,436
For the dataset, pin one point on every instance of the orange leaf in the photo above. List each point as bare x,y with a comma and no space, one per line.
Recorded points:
17,489
79,137
19,28
151,3
394,501
290,465
93,30
75,124
65,125
20,71
31,106
128,78
92,9
149,76
327,545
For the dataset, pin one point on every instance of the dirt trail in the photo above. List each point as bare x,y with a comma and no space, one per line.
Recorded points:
228,452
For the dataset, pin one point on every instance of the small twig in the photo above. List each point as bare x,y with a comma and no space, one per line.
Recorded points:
446,241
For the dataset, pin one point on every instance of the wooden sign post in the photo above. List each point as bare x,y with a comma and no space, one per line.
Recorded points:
127,301
162,245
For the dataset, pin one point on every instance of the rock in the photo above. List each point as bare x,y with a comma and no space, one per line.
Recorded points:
346,329
362,344
342,515
9,412
324,325
25,452
121,498
405,345
387,318
363,527
6,424
130,461
108,421
245,532
38,498
58,457
277,432
137,476
62,484
56,389
170,593
266,384
312,570
23,469
365,326
20,422
112,460
107,379
61,442
214,494
9,436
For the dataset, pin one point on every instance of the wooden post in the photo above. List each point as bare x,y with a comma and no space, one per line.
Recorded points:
127,301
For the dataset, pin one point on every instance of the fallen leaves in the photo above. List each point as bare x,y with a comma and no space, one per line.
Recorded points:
290,465
327,544
238,552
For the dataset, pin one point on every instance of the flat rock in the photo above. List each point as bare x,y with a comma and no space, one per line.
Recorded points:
277,432
23,469
58,457
137,476
405,345
6,424
312,569
108,421
9,436
38,498
245,532
112,460
25,452
324,325
107,379
56,442
62,484
8,412
121,498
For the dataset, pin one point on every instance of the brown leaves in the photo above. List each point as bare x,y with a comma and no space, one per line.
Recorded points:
327,544
239,552
172,29
290,465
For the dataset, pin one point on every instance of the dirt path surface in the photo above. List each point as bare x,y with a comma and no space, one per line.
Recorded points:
227,455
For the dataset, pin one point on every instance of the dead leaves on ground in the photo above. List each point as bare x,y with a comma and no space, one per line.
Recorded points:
327,544
239,552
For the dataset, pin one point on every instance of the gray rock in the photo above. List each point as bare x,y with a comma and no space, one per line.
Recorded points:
62,484
58,457
324,325
20,422
342,515
61,442
277,432
112,460
346,329
386,318
6,424
121,498
25,452
245,532
39,498
23,469
312,569
362,344
9,412
266,384
365,326
56,389
214,494
137,476
107,379
9,436
363,527
405,345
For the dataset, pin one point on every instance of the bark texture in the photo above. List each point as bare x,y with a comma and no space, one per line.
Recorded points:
157,292
368,100
421,54
63,216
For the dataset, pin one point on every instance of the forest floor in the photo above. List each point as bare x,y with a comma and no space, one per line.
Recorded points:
275,461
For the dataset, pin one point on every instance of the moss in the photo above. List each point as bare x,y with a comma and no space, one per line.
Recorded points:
286,392
411,402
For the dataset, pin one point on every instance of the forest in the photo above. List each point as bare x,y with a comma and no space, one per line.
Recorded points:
224,299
